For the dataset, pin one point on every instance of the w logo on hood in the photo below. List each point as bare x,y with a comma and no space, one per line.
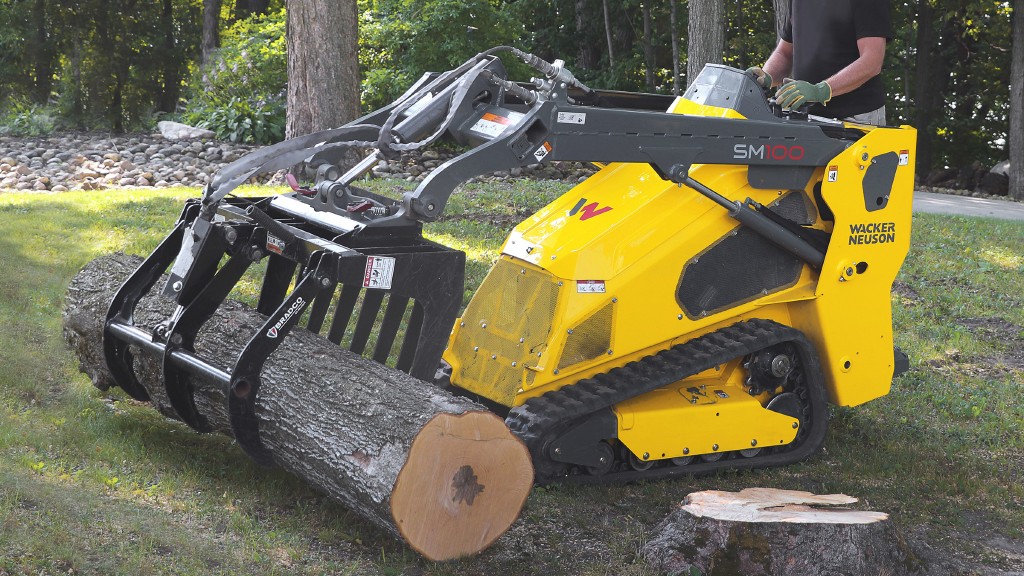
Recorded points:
588,211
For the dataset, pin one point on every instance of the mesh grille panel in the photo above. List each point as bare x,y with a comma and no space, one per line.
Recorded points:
795,206
592,338
739,268
509,320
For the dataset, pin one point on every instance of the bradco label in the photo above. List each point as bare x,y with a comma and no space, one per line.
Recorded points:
292,311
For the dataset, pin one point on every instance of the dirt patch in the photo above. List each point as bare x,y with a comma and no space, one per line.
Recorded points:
1004,334
998,329
905,294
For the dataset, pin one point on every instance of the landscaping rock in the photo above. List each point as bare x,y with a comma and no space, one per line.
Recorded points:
179,131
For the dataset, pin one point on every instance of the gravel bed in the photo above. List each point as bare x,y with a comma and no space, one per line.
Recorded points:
88,161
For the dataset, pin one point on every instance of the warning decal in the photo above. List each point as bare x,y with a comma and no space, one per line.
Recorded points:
572,118
543,151
833,173
380,270
904,157
493,125
590,287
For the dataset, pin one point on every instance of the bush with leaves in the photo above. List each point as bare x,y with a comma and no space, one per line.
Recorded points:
399,40
24,119
241,94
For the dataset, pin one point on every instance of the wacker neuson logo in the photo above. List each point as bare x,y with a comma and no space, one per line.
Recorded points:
292,311
873,233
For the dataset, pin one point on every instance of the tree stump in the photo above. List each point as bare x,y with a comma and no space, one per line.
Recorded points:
764,531
439,471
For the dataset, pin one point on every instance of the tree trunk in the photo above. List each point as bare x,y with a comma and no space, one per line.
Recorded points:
781,15
323,65
706,36
439,471
1016,133
608,34
586,57
924,101
764,531
42,54
648,47
674,25
172,75
211,30
246,8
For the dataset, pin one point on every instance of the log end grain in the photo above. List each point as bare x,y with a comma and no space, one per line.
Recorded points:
464,483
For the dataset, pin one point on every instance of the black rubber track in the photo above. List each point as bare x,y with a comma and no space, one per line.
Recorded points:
540,420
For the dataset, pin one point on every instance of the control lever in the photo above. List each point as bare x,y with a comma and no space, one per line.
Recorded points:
294,184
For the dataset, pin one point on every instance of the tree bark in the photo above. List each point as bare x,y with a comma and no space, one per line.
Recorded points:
608,34
43,53
674,25
763,531
1016,132
781,15
323,65
706,36
648,47
172,75
586,56
439,471
211,30
924,101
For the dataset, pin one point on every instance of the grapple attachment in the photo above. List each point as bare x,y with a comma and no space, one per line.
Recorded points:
392,297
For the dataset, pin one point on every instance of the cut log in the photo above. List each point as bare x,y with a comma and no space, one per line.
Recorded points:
439,471
763,531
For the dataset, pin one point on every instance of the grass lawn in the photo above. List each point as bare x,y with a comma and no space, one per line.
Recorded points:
93,482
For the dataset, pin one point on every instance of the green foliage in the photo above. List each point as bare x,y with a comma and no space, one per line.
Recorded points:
238,120
27,119
399,40
241,94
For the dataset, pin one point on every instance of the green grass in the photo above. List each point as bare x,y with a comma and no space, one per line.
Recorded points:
94,483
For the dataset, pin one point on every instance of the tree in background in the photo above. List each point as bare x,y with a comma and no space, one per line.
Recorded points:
1016,135
706,36
323,65
122,64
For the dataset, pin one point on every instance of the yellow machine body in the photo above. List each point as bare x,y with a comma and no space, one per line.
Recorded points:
612,272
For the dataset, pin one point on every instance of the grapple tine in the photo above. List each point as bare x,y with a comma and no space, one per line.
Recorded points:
122,307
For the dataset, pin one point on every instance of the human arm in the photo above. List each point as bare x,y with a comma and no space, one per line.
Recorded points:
865,67
794,93
780,63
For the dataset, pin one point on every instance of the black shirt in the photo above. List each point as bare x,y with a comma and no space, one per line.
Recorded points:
824,35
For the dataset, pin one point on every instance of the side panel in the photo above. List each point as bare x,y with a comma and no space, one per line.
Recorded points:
869,189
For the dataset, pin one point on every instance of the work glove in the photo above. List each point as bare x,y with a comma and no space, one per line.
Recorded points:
795,93
763,78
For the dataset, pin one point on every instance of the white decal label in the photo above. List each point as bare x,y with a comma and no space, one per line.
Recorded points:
590,287
833,173
380,270
275,244
294,309
493,125
904,157
572,117
542,152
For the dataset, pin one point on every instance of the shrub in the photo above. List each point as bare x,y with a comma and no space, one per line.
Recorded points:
23,119
241,93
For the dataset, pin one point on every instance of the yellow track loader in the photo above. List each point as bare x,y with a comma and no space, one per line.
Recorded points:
694,305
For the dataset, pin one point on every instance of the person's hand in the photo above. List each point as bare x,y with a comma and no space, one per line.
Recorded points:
763,78
795,93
